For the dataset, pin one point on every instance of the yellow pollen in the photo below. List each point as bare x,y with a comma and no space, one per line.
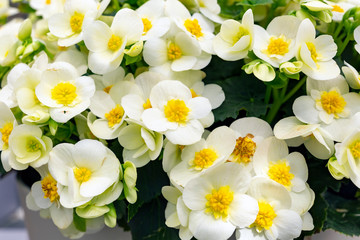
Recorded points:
147,25
265,216
278,46
5,132
312,50
176,111
337,8
193,27
244,149
332,102
33,146
355,150
64,93
147,104
173,52
280,172
204,159
218,202
48,2
6,53
114,43
241,32
193,93
76,22
108,88
115,115
82,174
48,185
61,48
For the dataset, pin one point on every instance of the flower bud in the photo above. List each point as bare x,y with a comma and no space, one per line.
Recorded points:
291,68
25,30
336,170
134,49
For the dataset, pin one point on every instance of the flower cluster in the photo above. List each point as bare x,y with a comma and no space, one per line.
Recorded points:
92,92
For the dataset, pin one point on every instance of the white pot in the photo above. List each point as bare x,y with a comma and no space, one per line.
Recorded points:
44,229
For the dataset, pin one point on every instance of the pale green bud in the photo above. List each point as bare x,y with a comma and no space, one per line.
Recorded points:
265,72
130,174
317,6
325,16
110,217
53,126
336,170
92,211
130,194
291,68
20,50
25,30
31,48
134,49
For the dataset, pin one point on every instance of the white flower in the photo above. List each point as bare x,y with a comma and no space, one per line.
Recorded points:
107,44
47,8
140,144
83,171
171,155
316,53
250,132
44,196
316,140
235,39
108,107
29,147
275,219
108,80
175,113
64,91
328,102
69,25
276,44
338,9
180,50
211,9
152,16
203,155
272,160
6,10
74,57
218,202
351,75
9,42
196,26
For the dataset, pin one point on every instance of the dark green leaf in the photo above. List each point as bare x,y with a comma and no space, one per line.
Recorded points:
133,209
129,60
219,70
280,81
253,2
230,10
79,222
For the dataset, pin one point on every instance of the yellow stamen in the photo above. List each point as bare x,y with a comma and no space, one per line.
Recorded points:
278,46
108,88
5,132
114,43
244,149
193,93
176,111
312,50
337,8
355,150
265,216
33,146
241,32
193,27
280,172
204,159
64,93
174,52
82,174
332,102
76,22
115,115
147,104
147,25
49,187
218,202
48,2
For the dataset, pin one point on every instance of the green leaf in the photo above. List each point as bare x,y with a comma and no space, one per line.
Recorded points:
243,92
343,214
149,223
253,2
280,81
79,222
129,60
230,10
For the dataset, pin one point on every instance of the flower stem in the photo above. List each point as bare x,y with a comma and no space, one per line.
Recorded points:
344,44
294,89
274,107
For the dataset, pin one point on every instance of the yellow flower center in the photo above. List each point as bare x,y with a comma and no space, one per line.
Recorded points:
176,111
278,46
244,149
280,172
33,146
108,88
5,132
193,93
337,8
64,93
82,174
332,102
76,22
241,32
48,185
147,25
115,115
312,50
147,104
355,150
193,27
204,159
218,202
48,2
114,43
265,216
173,52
